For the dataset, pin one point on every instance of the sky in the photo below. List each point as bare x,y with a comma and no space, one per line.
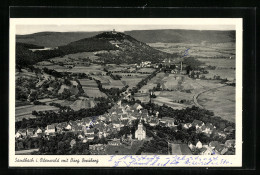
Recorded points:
29,29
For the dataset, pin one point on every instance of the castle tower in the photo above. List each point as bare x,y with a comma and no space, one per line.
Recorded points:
114,31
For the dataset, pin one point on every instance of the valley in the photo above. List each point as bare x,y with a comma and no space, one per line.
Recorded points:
93,95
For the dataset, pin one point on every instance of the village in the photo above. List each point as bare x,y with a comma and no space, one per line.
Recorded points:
108,125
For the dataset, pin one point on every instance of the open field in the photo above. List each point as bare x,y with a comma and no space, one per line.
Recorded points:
76,57
88,83
174,97
26,111
223,73
221,101
93,92
114,84
89,70
169,102
219,63
130,81
200,50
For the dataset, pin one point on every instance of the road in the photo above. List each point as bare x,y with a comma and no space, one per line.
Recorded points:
195,97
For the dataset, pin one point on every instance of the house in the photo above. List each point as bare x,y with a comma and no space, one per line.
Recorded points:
18,135
137,106
206,150
229,129
116,124
72,123
230,143
124,117
180,149
79,122
72,143
84,140
222,134
102,118
199,145
68,127
90,137
76,128
61,126
89,132
80,136
22,132
114,142
39,131
124,123
97,147
208,128
153,122
191,146
197,123
214,144
30,132
221,149
85,121
186,125
50,129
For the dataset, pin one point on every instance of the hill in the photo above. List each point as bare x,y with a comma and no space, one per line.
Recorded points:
55,39
183,36
110,47
129,50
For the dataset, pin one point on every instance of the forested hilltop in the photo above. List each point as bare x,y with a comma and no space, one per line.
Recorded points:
55,39
115,48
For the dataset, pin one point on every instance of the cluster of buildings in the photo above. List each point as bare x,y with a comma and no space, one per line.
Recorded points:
124,115
100,126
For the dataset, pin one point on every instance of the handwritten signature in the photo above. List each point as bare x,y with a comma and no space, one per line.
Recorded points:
174,160
186,52
92,123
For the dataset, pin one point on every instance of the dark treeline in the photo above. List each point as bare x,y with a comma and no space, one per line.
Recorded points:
143,82
60,144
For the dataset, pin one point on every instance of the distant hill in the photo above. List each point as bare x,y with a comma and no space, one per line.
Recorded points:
183,36
110,47
54,39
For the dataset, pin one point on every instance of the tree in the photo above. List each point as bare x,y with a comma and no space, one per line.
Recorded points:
179,127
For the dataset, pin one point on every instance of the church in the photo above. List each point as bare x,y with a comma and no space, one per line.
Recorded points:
140,133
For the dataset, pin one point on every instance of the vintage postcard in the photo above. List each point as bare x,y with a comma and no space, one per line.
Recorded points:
125,92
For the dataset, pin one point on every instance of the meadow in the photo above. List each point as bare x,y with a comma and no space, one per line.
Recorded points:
26,111
198,50
221,101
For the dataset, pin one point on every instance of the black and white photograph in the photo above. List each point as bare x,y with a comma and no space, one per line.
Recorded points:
120,88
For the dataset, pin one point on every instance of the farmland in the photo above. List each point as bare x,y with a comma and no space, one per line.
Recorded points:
26,111
200,50
225,68
179,91
221,101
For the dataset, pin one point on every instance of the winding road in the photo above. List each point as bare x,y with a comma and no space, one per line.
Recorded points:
195,97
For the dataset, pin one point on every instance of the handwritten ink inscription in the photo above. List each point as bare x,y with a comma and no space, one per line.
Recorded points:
186,52
131,160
